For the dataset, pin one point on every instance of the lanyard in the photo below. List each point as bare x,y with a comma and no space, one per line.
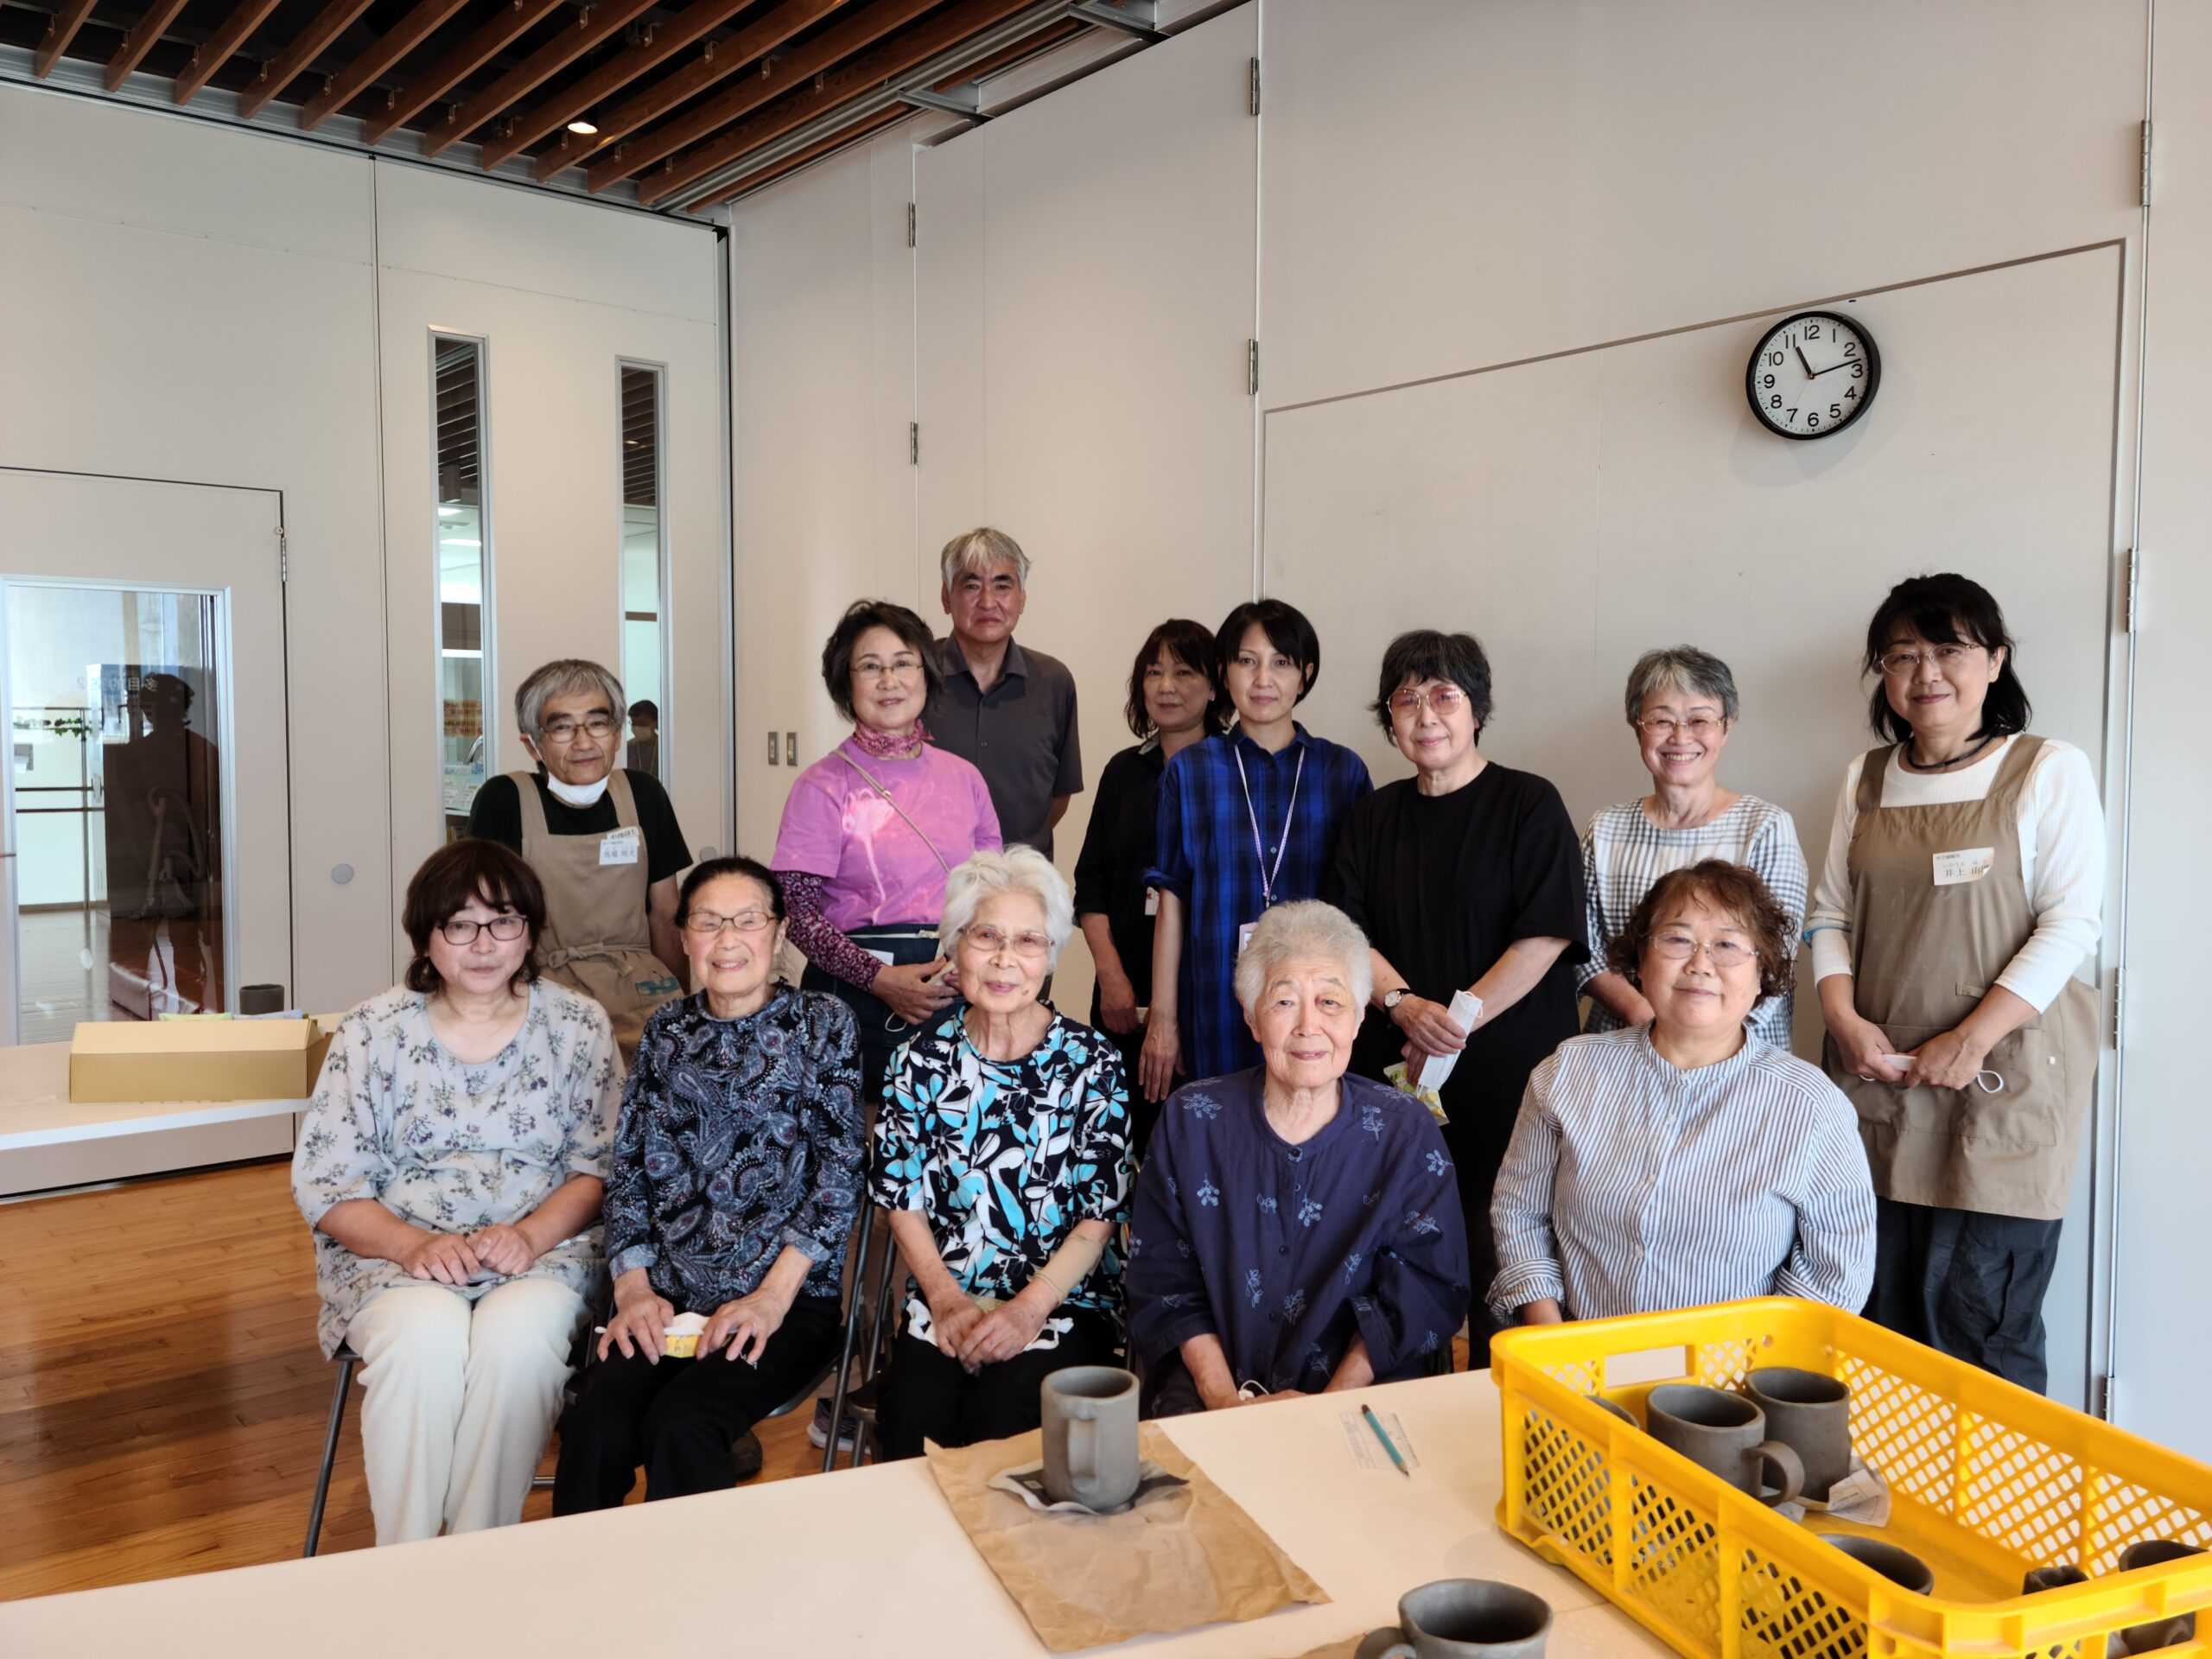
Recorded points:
1267,876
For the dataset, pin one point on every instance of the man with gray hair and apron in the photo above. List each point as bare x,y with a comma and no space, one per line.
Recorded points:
603,840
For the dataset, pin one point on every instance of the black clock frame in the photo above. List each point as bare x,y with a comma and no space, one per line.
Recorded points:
1865,398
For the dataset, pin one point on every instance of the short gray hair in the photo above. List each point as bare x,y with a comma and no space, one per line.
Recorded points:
1018,869
1306,927
1681,668
979,549
564,677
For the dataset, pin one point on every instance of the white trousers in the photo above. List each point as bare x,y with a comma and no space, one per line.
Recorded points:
458,1399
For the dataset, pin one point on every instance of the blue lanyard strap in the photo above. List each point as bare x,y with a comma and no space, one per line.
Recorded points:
1267,875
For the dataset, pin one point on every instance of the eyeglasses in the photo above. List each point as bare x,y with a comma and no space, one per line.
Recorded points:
598,726
875,668
705,925
1723,954
463,930
1905,662
1443,701
991,940
1698,726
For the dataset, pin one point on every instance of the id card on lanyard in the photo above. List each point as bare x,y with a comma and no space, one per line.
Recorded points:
1268,874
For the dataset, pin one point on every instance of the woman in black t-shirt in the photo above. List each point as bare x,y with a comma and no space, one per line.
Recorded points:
1174,700
1466,876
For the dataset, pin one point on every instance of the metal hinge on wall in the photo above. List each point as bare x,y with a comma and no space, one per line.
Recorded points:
2131,591
2101,1398
284,556
1254,100
2119,1003
914,443
910,223
1251,368
2146,164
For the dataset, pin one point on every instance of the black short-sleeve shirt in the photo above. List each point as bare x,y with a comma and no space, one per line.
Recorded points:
497,815
1442,885
1021,734
1117,852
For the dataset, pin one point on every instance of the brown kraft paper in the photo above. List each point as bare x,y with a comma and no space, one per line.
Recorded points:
1177,1558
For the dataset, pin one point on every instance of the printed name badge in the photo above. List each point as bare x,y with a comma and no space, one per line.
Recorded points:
1152,901
1968,864
620,847
1244,936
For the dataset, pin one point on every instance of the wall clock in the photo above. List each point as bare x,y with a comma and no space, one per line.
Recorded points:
1813,374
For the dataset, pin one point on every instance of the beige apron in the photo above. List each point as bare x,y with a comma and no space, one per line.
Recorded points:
597,938
1922,957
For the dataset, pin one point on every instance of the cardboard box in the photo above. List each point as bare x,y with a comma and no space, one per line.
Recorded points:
196,1059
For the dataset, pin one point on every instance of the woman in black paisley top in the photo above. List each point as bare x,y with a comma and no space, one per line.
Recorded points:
736,1175
1002,1153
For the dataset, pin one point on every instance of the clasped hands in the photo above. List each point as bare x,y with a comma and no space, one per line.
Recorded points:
739,1329
963,1329
458,1258
1950,1059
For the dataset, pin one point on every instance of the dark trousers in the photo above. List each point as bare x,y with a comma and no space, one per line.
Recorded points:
881,1032
929,1394
680,1417
1476,1169
1968,1284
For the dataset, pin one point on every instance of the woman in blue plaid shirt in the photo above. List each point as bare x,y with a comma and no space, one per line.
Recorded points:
1248,820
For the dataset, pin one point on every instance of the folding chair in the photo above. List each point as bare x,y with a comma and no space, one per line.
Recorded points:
875,1313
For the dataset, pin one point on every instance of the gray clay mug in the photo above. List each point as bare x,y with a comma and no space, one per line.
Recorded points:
1091,1436
1900,1566
2164,1632
1464,1618
1810,1413
1725,1434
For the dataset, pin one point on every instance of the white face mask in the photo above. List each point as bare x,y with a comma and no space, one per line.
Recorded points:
575,794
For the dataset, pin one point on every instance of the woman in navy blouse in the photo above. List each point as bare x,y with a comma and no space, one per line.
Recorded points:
1297,1231
736,1176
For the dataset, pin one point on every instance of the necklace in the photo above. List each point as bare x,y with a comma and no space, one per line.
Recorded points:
1957,759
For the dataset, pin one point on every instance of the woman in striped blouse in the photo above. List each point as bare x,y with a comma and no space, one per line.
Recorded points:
1687,1161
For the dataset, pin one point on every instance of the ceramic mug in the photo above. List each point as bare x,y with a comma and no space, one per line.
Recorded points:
2165,1632
1900,1566
1464,1618
1810,1413
1091,1436
1725,1434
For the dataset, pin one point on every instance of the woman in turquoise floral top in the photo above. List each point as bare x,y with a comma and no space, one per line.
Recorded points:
451,1168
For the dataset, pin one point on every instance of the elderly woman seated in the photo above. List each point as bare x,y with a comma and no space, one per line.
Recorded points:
450,1166
1002,1153
1297,1231
1685,1161
735,1179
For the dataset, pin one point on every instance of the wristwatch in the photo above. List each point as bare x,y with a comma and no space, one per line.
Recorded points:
1391,998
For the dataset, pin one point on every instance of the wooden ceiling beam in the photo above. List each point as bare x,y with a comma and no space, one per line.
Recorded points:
464,61
593,24
139,41
422,22
775,170
720,59
330,22
823,52
221,47
59,31
837,86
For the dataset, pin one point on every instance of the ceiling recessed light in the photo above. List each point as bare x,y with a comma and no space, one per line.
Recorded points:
582,127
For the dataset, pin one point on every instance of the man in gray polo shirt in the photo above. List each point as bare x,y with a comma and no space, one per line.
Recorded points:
1010,712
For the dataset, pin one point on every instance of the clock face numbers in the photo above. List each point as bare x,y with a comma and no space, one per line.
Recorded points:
1813,375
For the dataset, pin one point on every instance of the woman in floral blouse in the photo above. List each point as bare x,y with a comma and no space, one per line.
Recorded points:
736,1177
1002,1153
451,1170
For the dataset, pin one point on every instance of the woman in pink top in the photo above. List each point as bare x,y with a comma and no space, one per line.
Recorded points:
871,830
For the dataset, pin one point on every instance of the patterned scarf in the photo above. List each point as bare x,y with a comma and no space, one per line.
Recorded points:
882,745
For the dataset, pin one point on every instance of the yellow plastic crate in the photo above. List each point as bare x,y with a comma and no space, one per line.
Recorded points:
1986,1481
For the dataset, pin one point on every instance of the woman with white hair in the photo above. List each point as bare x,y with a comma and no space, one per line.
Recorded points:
1297,1231
1002,1155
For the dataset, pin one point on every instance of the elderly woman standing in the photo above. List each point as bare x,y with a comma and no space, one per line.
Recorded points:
1464,878
451,1167
1174,701
603,840
1002,1155
1683,705
1964,884
871,832
1297,1231
736,1177
1684,1160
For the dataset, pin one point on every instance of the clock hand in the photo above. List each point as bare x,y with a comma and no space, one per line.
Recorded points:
1807,361
1832,367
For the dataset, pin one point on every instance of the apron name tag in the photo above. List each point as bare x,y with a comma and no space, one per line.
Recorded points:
620,847
1968,864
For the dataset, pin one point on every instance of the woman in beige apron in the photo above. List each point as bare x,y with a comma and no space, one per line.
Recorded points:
1962,888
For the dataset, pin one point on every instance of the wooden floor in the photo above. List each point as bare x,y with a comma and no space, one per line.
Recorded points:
162,1399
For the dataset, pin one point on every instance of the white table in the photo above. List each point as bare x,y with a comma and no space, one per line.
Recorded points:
867,1562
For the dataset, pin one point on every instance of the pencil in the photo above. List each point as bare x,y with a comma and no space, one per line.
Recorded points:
1375,1423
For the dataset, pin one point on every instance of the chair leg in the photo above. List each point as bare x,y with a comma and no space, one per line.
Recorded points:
853,1303
329,1453
874,1361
